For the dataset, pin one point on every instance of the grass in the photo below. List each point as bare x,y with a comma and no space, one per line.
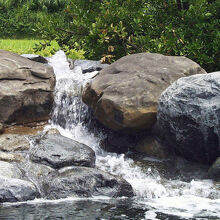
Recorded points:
26,46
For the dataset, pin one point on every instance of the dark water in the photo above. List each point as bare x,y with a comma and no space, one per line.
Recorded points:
78,210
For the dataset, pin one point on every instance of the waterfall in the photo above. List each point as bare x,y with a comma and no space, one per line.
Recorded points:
172,196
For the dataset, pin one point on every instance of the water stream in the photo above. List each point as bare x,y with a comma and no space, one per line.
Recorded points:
157,196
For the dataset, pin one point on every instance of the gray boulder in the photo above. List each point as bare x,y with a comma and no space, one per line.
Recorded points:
26,93
125,94
84,182
87,65
57,151
214,171
188,117
16,190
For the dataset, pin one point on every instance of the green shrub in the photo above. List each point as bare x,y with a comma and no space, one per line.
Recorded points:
110,29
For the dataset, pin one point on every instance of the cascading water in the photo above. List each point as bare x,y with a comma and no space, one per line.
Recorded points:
196,198
157,195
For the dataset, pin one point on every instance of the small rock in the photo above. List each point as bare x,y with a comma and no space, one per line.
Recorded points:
57,151
85,182
16,190
87,65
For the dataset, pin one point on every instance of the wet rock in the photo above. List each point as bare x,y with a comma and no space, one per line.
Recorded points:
9,170
152,148
13,142
36,58
188,117
16,190
11,157
35,173
125,94
26,89
57,151
117,143
85,182
1,128
214,171
87,65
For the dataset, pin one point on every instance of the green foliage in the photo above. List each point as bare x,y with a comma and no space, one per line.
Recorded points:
21,18
110,29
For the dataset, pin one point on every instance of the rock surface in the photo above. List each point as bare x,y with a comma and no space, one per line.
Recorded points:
188,117
87,65
118,143
124,95
152,148
36,58
11,157
26,93
85,182
57,151
1,128
9,170
16,190
214,171
13,142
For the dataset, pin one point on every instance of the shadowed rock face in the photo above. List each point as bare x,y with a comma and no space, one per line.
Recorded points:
84,182
26,89
188,117
214,171
57,151
124,95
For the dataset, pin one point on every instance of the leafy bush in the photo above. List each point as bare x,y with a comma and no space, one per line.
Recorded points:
110,29
21,18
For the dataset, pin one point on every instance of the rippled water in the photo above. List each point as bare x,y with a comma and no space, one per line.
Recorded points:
158,196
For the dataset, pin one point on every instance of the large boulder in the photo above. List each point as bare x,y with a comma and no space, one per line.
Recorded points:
58,151
188,117
124,95
26,93
84,182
